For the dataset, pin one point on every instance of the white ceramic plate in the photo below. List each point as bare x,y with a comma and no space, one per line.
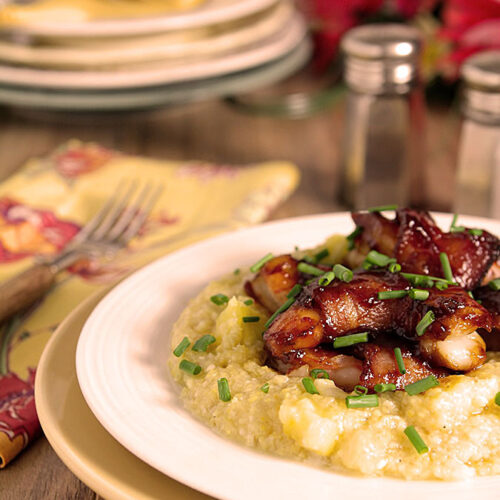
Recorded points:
121,367
165,72
157,48
145,98
210,12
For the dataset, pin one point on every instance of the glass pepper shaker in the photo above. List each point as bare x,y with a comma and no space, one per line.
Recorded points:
381,147
478,177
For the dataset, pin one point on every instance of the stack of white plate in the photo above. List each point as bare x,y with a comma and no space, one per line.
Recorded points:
59,58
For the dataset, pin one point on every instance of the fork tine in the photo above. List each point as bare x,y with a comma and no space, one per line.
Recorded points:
128,214
141,216
92,224
113,214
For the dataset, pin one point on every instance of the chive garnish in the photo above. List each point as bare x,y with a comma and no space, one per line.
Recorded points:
379,259
319,373
366,265
351,237
422,385
281,309
385,387
322,254
236,272
417,294
445,264
360,390
248,302
189,367
260,263
441,286
309,386
425,322
265,388
327,278
219,299
454,228
348,340
394,267
497,399
251,319
308,269
476,232
382,208
364,401
343,273
411,277
469,293
183,345
202,343
416,440
494,284
399,360
392,294
294,291
224,392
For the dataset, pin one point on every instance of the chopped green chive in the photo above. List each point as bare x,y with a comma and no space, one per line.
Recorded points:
343,273
399,360
425,322
224,392
183,345
348,340
351,237
416,440
248,302
309,386
364,401
188,367
366,265
327,278
382,208
251,319
422,385
281,309
441,286
202,343
445,264
260,263
219,299
417,294
294,291
494,284
308,269
469,293
379,259
265,388
394,267
476,232
414,278
385,387
360,390
318,373
236,272
454,228
392,294
497,399
322,254
454,221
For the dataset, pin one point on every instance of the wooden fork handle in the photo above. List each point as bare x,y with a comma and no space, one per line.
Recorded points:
24,289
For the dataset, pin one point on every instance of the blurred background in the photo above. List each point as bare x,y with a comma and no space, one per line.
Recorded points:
370,98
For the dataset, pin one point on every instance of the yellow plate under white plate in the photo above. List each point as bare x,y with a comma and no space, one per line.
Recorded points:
76,435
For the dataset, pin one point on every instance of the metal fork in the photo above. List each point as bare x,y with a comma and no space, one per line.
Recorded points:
114,225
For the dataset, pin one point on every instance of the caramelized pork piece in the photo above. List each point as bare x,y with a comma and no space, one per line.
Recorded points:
415,240
490,300
320,314
380,366
274,281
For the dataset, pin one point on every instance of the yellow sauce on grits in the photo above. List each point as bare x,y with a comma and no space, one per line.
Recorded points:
458,420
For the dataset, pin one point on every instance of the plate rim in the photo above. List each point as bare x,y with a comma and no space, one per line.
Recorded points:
431,485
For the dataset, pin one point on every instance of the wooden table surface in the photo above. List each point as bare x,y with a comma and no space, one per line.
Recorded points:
210,131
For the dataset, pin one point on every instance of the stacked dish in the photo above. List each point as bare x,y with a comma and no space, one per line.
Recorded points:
56,55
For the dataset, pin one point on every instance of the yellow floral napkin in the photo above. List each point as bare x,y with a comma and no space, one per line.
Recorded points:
46,203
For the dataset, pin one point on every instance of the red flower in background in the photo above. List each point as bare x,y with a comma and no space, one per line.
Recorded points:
470,26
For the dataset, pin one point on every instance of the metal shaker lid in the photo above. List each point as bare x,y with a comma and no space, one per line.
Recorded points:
381,57
483,70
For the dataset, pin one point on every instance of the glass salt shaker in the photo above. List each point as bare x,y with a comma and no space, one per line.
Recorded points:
478,177
384,115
